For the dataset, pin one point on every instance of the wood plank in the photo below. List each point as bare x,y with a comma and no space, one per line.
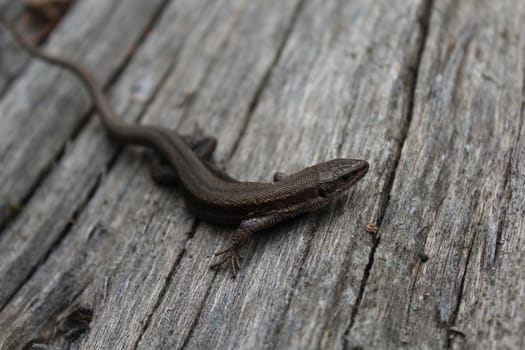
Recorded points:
449,195
11,61
491,313
101,257
47,217
342,84
104,42
206,40
225,87
492,309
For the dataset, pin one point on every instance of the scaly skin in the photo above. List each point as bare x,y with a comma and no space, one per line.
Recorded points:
210,194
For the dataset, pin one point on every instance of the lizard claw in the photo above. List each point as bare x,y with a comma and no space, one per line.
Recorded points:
232,254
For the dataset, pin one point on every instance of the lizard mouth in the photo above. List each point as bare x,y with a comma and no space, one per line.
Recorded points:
360,171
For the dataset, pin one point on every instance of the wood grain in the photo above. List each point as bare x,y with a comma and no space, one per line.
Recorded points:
450,192
99,257
52,101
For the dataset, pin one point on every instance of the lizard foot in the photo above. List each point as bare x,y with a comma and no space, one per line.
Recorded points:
231,253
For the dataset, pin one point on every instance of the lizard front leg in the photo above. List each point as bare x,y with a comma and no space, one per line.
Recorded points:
279,176
245,230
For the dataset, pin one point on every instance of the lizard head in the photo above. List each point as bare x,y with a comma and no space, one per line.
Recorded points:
338,175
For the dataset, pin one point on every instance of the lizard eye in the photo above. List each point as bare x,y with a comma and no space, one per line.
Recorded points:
346,177
323,192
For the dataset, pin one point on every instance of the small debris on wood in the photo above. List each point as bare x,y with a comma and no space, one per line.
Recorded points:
14,207
423,257
457,331
7,210
37,346
372,228
76,323
451,46
187,100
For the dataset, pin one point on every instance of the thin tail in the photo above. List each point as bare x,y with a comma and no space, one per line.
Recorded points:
113,124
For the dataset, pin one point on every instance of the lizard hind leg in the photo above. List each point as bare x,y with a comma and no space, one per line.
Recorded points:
163,174
203,146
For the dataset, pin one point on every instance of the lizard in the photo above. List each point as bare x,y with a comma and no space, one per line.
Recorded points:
209,193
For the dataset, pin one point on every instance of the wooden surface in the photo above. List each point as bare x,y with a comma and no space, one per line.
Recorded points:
94,255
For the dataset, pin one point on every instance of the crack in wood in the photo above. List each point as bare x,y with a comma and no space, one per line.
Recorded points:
507,194
249,114
47,171
280,321
208,68
193,325
167,280
266,77
349,110
56,243
424,21
421,258
450,324
460,53
6,218
192,232
83,121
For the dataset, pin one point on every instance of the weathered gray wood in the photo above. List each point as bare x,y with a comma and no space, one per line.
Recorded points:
281,84
59,199
102,42
450,194
218,23
298,288
47,218
492,307
11,61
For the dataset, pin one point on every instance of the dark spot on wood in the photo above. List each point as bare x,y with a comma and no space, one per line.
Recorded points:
41,17
76,323
187,100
